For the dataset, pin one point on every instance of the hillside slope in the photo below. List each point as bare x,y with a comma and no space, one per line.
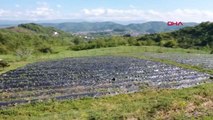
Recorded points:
29,36
189,37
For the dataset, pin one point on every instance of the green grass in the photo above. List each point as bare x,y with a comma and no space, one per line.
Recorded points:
189,103
62,52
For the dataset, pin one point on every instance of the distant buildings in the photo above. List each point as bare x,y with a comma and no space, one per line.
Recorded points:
55,33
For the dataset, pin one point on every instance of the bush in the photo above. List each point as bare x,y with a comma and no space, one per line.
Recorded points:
160,50
78,41
4,64
132,41
3,50
170,43
211,52
23,53
45,50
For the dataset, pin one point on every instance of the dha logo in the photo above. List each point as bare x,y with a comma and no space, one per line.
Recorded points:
170,23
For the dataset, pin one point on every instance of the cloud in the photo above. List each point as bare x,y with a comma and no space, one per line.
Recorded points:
148,15
94,12
41,12
44,11
3,12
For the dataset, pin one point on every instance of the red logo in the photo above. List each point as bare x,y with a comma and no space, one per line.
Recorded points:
170,23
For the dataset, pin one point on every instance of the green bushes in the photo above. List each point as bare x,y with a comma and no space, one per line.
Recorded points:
103,42
211,52
3,49
23,53
170,43
4,64
45,49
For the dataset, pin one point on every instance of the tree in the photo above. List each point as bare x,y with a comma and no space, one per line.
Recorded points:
77,40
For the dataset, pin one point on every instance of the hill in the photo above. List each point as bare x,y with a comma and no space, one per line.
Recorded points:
86,26
29,37
39,29
149,27
189,37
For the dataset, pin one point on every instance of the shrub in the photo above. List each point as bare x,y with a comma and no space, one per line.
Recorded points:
3,50
23,53
170,43
4,64
132,41
211,52
45,49
159,50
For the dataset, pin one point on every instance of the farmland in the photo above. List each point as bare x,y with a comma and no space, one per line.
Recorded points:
96,76
55,77
202,60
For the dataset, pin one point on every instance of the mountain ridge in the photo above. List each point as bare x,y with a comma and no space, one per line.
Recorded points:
147,27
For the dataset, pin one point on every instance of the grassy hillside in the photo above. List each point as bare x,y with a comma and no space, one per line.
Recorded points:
198,37
62,52
190,37
41,30
31,38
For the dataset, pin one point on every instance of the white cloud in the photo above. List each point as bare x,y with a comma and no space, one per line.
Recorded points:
94,12
139,14
43,11
3,12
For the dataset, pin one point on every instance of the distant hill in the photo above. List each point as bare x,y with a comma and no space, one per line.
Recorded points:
149,27
86,26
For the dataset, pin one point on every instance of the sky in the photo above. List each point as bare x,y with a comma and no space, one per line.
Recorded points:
108,10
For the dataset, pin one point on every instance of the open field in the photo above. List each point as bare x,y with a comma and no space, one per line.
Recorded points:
181,104
200,60
121,69
91,76
62,52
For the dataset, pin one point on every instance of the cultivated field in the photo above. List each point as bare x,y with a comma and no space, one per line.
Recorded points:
200,60
106,71
91,76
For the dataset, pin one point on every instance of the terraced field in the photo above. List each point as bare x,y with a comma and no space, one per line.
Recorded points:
90,76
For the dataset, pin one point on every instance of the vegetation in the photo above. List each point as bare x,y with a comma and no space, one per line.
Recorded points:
36,38
62,52
148,27
189,103
199,37
4,64
79,44
31,43
31,37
